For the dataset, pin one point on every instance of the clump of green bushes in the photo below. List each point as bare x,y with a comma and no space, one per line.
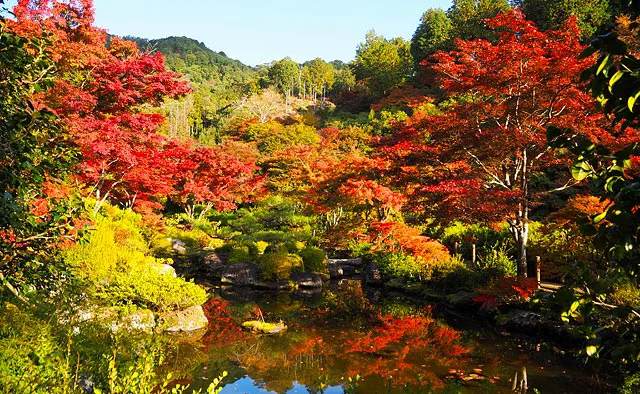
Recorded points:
279,265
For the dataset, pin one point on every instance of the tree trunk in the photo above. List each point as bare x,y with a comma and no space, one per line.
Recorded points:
521,242
520,225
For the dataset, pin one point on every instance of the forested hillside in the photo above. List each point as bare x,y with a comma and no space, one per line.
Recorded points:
196,62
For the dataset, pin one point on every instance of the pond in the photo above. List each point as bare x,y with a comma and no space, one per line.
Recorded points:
348,340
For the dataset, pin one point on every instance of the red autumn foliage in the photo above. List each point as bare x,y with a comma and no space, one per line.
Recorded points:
404,97
400,238
103,84
504,289
223,330
475,162
215,177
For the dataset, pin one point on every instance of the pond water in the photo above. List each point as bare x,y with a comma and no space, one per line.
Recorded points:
346,340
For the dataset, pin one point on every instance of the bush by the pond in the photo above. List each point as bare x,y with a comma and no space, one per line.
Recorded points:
400,250
315,259
279,265
401,265
497,261
465,234
453,275
241,252
115,262
276,220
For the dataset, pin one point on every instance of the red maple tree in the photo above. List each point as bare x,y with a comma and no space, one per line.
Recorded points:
103,84
479,159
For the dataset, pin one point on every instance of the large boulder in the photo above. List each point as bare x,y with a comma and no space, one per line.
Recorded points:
372,275
240,274
215,261
178,245
522,321
307,280
166,269
115,320
353,262
190,319
142,320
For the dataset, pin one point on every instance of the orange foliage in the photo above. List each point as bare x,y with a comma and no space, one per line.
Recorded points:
398,237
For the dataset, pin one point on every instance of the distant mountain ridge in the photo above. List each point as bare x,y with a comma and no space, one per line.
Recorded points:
196,61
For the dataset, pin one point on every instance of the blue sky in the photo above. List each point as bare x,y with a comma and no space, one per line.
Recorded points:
257,32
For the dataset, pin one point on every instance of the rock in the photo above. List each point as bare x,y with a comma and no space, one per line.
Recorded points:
522,321
113,318
335,271
166,269
339,268
372,275
178,245
215,261
240,274
190,319
307,280
462,299
263,327
348,270
143,320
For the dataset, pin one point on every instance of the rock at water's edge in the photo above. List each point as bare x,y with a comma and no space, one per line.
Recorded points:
307,280
190,319
240,274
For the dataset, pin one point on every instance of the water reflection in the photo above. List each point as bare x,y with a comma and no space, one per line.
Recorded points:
341,342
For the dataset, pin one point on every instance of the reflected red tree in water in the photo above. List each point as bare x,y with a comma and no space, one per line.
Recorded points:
398,347
223,330
395,350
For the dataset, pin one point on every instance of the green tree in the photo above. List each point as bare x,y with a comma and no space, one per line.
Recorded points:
468,18
345,80
318,77
433,34
591,15
285,75
382,64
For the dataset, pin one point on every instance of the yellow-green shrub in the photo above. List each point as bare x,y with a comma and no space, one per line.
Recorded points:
31,360
315,259
115,262
279,265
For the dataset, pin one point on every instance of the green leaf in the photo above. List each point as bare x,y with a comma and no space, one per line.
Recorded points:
631,101
591,350
600,217
615,78
603,64
581,170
